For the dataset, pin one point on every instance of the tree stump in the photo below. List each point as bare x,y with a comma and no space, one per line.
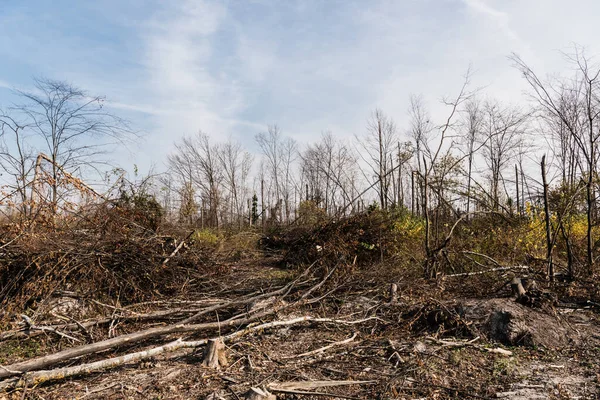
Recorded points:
214,355
393,293
517,288
259,394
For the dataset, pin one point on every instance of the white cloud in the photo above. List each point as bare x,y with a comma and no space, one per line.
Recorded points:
230,68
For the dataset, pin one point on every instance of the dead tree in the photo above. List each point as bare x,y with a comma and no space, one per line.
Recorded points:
378,147
16,159
573,104
74,127
549,240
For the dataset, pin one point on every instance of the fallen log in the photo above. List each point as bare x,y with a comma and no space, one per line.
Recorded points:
37,377
53,359
235,321
487,271
304,388
470,343
251,299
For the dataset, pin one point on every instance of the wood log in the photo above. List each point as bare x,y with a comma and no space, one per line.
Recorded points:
259,394
249,299
53,359
36,377
214,354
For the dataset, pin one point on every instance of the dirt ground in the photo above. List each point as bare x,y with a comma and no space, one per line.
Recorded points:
439,349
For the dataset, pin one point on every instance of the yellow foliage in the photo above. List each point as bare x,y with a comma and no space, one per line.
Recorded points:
205,237
408,226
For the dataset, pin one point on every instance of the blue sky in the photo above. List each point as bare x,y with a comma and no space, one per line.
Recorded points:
229,68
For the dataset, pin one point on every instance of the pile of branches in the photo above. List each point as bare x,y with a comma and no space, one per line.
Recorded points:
355,241
102,253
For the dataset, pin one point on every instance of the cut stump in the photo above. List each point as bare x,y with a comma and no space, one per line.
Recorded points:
214,355
259,394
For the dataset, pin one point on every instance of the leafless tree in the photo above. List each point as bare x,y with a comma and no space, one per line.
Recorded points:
379,146
502,137
573,104
289,155
195,161
421,128
74,126
405,154
236,164
279,153
472,126
17,160
438,158
328,172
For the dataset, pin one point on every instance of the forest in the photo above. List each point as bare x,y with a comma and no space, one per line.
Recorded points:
448,255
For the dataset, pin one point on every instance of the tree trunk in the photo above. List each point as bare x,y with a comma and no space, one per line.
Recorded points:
547,220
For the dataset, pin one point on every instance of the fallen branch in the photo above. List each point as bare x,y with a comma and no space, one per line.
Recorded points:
470,343
488,271
30,326
153,316
248,300
53,359
37,377
322,349
174,253
304,388
307,385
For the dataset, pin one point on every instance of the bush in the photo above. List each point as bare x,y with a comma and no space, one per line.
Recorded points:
205,238
309,213
142,208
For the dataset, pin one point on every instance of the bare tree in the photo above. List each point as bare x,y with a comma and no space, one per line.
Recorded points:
289,154
503,136
435,159
195,161
405,154
421,128
472,130
17,160
379,145
573,104
279,153
328,172
74,126
236,164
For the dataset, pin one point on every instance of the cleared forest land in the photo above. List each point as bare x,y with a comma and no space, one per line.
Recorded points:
325,310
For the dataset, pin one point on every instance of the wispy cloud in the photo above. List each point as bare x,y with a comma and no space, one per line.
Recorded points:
232,67
500,18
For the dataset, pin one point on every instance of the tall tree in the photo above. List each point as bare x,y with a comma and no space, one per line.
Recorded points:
573,103
379,146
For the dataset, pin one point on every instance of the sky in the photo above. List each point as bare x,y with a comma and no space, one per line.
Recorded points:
231,68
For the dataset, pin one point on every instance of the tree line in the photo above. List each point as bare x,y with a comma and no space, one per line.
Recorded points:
483,156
